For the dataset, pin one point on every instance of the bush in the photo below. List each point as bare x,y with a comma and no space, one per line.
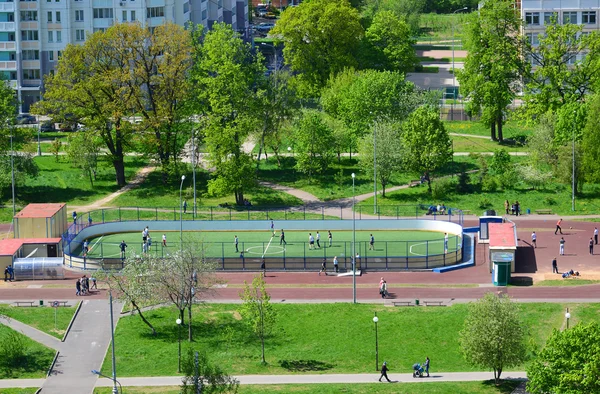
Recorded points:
464,183
549,201
489,184
442,188
484,203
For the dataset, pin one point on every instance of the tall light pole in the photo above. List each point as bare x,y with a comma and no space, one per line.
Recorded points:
453,71
375,168
12,170
178,322
375,320
573,174
112,333
39,150
194,172
568,316
353,242
181,214
95,372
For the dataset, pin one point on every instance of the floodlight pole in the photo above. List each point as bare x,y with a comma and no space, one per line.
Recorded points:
375,168
112,333
12,171
454,71
353,242
573,172
194,171
181,214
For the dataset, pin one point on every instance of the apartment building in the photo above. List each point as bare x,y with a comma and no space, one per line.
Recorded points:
33,33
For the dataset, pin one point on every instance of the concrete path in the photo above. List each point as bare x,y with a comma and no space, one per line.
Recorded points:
301,194
84,350
33,333
322,378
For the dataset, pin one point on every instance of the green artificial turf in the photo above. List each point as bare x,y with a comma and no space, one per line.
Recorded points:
316,338
41,318
219,244
36,362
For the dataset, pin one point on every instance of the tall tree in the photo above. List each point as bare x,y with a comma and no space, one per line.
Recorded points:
227,80
312,139
590,146
202,376
321,38
389,152
426,142
494,62
83,150
493,335
257,310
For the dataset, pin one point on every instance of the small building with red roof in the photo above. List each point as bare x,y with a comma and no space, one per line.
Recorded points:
503,240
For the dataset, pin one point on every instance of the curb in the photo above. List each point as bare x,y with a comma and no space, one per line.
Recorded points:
52,364
71,323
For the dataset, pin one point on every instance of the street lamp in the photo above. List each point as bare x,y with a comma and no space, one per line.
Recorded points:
573,173
178,322
289,150
12,170
181,214
112,334
115,381
375,320
353,242
39,150
453,71
568,316
375,169
194,172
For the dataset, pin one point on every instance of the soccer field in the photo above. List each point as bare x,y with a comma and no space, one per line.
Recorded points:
265,243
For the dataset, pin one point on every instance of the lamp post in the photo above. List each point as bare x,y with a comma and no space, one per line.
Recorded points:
194,172
573,172
453,72
39,150
568,316
289,150
178,322
353,242
12,170
95,372
375,320
375,168
112,334
181,214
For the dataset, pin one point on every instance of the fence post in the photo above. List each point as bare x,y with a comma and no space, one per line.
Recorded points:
304,210
426,254
416,211
386,255
102,215
397,212
304,252
223,255
322,212
155,213
211,213
119,214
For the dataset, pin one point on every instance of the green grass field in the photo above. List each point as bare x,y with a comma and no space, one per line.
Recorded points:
35,363
258,244
322,338
41,318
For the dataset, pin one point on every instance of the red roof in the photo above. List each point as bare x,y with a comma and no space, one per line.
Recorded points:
39,210
502,235
9,247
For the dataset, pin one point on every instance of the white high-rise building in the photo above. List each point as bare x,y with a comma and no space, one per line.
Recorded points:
34,32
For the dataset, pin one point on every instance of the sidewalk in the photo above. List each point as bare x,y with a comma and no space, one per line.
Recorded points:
33,333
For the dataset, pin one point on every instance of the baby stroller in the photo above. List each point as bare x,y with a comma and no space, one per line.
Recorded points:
417,370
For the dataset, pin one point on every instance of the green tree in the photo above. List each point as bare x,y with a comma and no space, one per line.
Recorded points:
426,142
312,139
406,10
257,310
493,335
83,150
389,44
542,148
226,77
389,152
590,146
201,376
321,37
494,62
500,162
568,363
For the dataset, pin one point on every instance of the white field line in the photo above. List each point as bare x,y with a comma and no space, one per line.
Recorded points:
95,243
421,243
267,248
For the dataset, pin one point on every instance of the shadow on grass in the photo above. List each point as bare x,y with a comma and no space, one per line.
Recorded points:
32,362
521,281
304,365
505,386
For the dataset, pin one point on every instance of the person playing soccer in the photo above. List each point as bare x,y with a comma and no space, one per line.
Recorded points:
323,267
372,243
445,242
318,240
273,227
123,246
311,241
235,242
86,248
330,237
164,239
282,238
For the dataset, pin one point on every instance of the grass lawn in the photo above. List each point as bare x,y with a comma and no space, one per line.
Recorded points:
28,390
60,182
38,359
487,387
511,128
442,26
41,318
255,244
475,144
155,193
565,282
316,338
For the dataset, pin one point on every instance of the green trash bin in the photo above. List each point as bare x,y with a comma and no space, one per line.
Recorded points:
417,302
41,302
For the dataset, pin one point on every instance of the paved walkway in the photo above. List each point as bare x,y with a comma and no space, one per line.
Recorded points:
83,351
33,333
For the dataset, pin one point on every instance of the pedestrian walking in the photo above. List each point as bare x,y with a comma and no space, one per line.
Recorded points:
372,242
427,366
86,247
123,246
591,246
94,283
323,267
383,289
282,238
517,208
318,240
184,206
562,246
554,266
86,280
384,370
534,239
558,228
11,273
273,227
235,242
596,235
78,288
164,239
445,243
263,267
6,274
74,217
506,206
335,264
357,262
89,220
311,241
330,237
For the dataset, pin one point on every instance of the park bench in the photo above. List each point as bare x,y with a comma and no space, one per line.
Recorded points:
415,182
401,303
25,303
433,303
63,303
543,211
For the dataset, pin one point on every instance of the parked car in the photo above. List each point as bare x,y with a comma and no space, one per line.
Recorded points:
265,27
270,15
26,119
67,126
47,126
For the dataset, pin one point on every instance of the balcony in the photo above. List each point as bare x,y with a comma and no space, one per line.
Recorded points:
7,26
7,7
8,45
8,65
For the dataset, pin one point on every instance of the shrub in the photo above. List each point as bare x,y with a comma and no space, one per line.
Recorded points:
489,184
549,201
484,203
464,183
442,188
12,350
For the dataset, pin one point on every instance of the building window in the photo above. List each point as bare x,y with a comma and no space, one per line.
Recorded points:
532,18
124,16
58,16
29,35
103,13
570,17
50,36
533,38
31,74
51,56
155,12
102,29
31,55
186,7
58,54
49,16
548,16
570,59
79,35
203,14
79,16
588,17
29,15
133,16
59,36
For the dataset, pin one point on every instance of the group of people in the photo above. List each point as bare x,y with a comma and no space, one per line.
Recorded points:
385,369
514,208
9,273
383,292
439,209
82,285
